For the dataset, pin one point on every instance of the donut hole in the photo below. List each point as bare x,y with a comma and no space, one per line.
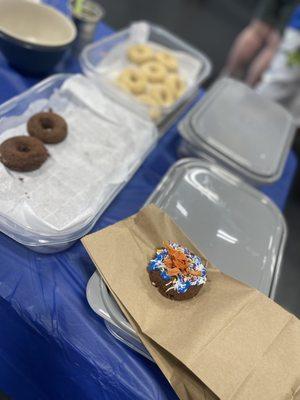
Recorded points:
134,78
23,148
47,123
164,95
153,68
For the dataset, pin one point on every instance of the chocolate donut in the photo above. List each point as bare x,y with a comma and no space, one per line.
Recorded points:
48,127
177,273
23,153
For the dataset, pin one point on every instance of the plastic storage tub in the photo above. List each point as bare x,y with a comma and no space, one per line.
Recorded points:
93,54
239,229
240,129
97,296
209,204
26,235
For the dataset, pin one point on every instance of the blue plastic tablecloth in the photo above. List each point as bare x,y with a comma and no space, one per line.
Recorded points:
52,345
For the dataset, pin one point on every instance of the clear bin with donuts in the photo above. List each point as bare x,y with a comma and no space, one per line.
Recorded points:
54,185
147,69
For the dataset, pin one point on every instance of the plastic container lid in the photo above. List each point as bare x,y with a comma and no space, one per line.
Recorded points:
239,229
96,291
247,132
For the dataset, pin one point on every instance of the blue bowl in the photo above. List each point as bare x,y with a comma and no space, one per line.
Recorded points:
34,37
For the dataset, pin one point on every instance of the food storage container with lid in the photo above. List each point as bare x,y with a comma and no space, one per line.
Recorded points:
94,54
240,129
239,229
30,234
97,297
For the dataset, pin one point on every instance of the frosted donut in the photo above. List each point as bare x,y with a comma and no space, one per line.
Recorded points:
176,272
168,60
139,53
176,85
154,71
154,109
132,80
162,95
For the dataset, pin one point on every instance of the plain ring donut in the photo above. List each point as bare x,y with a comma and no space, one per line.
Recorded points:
154,108
176,85
23,153
48,127
163,95
168,60
139,53
155,72
132,80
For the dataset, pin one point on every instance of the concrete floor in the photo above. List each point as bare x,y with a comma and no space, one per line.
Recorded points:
211,25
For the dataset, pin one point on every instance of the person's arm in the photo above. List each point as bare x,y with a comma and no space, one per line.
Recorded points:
246,46
262,61
259,40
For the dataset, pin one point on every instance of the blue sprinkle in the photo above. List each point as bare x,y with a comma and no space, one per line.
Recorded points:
157,265
165,276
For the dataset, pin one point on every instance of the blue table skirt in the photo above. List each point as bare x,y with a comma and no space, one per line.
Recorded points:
52,345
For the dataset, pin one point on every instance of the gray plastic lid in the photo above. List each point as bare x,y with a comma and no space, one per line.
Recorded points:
248,132
238,228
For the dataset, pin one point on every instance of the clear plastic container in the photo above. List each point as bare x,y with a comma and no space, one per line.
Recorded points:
26,235
240,129
238,228
134,343
93,54
98,296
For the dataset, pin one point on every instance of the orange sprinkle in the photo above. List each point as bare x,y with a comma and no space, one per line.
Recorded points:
176,261
173,271
195,273
168,262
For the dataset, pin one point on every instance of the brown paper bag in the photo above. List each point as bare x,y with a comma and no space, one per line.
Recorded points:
184,382
239,343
